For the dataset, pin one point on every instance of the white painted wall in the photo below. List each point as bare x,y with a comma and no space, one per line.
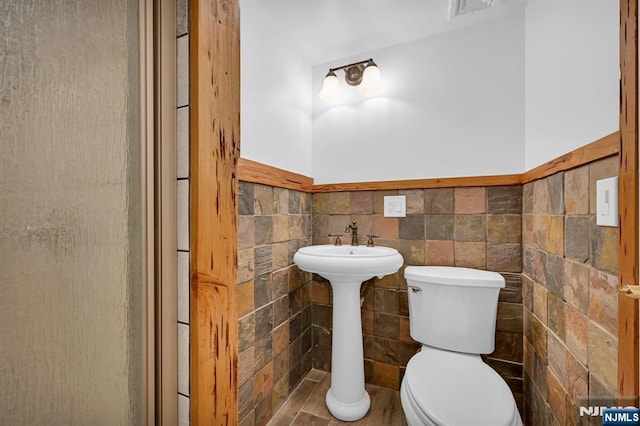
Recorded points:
496,98
452,106
275,120
571,77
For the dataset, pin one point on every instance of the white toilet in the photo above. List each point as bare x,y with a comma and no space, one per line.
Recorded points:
452,312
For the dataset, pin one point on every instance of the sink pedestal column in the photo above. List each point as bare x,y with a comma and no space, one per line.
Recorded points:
347,398
347,267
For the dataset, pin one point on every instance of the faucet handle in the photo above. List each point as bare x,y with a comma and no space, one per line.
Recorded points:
370,240
338,241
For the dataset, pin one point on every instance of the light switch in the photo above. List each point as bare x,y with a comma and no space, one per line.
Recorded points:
395,206
607,202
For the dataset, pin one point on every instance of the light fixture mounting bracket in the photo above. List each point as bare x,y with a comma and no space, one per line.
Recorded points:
353,72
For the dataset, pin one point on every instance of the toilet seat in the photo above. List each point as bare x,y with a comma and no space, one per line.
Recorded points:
450,388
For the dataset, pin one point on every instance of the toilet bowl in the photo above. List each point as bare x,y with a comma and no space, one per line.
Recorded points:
448,388
452,312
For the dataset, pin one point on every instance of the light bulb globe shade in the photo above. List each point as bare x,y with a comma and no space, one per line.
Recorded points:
371,81
330,89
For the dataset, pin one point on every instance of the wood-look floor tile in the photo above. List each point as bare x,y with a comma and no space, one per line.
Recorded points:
386,408
317,375
306,405
287,413
304,419
316,404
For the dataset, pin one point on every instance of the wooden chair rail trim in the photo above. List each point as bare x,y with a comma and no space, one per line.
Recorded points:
498,180
252,171
255,172
604,147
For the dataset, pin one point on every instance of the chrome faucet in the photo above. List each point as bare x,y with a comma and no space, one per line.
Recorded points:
353,229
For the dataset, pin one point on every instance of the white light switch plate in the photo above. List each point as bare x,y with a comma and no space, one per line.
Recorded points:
395,206
607,202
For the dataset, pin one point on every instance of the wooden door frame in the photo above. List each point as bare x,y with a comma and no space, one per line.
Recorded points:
628,202
214,61
158,133
161,47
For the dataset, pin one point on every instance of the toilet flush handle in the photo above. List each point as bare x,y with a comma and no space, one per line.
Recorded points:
415,289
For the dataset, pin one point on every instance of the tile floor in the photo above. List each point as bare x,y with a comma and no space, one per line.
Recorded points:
306,406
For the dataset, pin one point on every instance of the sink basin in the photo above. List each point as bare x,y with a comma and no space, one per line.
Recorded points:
342,262
346,267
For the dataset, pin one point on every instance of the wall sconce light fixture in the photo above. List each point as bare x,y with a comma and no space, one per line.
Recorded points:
364,74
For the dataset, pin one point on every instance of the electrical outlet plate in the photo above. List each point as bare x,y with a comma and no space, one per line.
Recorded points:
607,202
395,206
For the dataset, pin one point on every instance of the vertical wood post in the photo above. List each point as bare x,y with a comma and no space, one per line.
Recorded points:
215,146
628,188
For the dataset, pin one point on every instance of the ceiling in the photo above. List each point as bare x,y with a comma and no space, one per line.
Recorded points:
326,30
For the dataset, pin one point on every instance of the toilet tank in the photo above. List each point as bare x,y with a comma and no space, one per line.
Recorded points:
453,308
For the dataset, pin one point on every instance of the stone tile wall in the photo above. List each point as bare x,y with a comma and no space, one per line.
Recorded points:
570,268
273,298
478,227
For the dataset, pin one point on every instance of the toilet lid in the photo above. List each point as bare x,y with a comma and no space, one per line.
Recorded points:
459,390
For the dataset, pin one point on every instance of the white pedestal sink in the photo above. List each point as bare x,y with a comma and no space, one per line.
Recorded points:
346,267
